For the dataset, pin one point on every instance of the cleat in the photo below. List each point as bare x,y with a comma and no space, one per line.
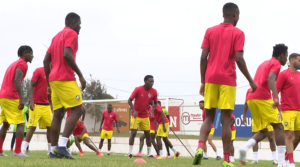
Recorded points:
176,155
82,154
51,155
275,162
28,151
254,162
242,157
226,164
160,157
62,151
138,154
150,157
169,156
204,158
100,154
130,156
157,156
20,154
11,150
291,165
198,157
107,154
218,158
3,155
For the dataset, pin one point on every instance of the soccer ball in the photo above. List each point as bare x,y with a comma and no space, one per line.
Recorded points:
74,151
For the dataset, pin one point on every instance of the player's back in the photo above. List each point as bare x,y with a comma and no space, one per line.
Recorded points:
40,88
222,41
8,89
261,79
60,69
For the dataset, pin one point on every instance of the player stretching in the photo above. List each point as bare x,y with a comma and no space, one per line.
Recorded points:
224,44
167,115
210,136
11,100
81,134
40,111
65,91
108,118
140,115
255,129
162,132
263,108
288,85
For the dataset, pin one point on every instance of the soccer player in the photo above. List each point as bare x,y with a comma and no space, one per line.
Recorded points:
81,134
263,108
224,44
11,99
210,136
167,115
25,115
233,134
140,115
288,85
106,127
255,129
163,132
40,111
60,77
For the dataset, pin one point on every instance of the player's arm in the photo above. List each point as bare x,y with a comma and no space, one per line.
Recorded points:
272,85
163,120
101,123
245,109
232,121
131,106
203,66
117,125
30,90
83,113
71,62
240,61
153,108
47,67
83,131
18,85
155,123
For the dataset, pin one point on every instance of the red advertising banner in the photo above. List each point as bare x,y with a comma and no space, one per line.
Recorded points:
174,118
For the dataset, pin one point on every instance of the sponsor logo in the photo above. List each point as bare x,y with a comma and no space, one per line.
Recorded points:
186,118
278,115
286,123
149,95
77,98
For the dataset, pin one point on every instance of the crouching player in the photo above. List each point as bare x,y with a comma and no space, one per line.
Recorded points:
80,133
162,132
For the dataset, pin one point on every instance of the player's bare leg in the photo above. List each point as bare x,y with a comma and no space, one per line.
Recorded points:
87,142
204,132
152,136
226,132
148,143
176,153
101,143
289,138
232,151
141,145
108,146
70,125
296,139
159,146
19,139
77,143
272,146
210,142
3,131
28,137
205,152
131,141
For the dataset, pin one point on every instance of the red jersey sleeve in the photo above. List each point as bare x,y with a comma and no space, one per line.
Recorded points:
134,94
205,43
23,66
275,67
35,76
239,42
71,40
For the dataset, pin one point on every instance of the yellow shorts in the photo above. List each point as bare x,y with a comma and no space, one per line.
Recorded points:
255,128
65,94
10,112
221,96
152,131
212,131
106,134
233,133
291,120
160,131
141,123
84,136
42,114
263,114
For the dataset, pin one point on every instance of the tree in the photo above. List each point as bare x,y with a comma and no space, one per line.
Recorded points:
25,89
95,91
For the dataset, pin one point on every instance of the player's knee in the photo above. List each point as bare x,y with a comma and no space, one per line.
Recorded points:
289,135
6,125
109,141
210,142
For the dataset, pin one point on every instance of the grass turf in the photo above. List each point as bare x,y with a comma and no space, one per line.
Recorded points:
39,158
